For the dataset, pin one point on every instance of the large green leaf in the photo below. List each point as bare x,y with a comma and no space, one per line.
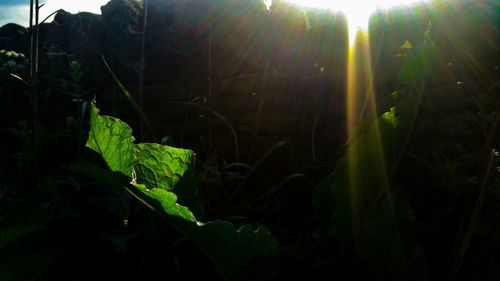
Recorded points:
154,169
113,140
156,175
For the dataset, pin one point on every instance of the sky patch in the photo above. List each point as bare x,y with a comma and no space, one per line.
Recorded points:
17,11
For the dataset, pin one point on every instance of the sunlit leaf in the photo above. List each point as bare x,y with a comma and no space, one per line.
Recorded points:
161,166
113,140
390,117
169,168
155,174
406,45
168,201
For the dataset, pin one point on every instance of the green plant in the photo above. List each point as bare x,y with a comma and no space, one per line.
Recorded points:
11,63
158,176
80,97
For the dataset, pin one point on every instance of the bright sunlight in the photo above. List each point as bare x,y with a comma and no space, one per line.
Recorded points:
357,11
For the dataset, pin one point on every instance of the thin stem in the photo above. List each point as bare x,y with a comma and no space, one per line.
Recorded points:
313,134
33,79
141,65
209,98
261,102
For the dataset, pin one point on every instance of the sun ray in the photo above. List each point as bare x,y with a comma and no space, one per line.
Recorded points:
360,104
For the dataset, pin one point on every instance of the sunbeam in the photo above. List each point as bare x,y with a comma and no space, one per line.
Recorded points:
364,156
356,12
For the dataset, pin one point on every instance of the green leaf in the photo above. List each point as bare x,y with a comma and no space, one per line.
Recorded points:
406,45
169,168
235,252
160,166
113,140
390,117
156,174
168,201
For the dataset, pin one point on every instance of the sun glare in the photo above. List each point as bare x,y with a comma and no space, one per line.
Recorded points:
357,11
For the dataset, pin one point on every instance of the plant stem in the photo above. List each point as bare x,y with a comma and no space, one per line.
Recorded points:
34,30
141,65
209,98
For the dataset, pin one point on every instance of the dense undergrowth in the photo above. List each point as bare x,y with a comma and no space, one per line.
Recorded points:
414,194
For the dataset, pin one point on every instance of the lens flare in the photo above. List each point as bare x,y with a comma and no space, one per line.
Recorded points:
365,153
357,12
